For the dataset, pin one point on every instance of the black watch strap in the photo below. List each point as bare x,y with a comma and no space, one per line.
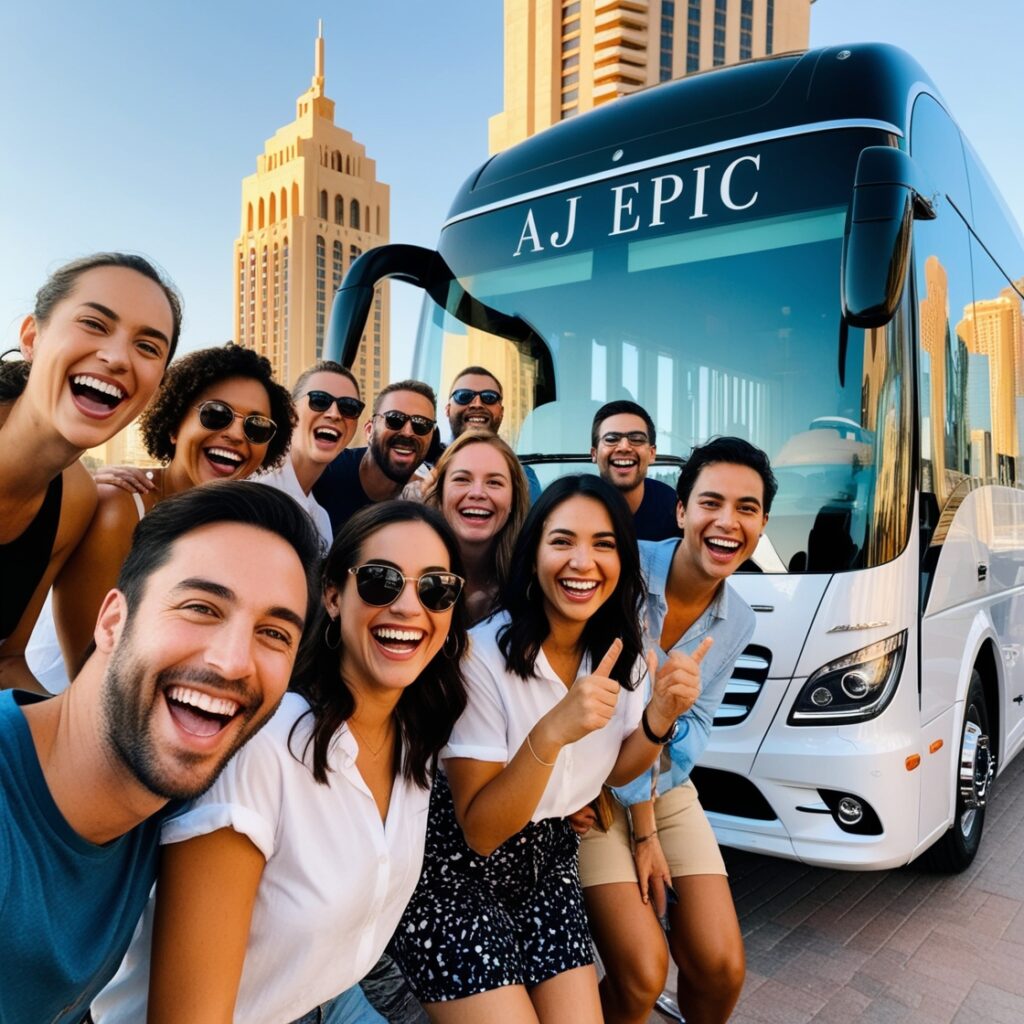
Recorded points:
652,736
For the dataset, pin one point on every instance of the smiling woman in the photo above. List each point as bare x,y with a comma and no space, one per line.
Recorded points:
94,347
219,415
347,760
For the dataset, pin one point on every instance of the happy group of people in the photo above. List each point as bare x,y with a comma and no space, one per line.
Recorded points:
384,733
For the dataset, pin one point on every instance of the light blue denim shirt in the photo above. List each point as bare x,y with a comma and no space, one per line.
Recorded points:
730,620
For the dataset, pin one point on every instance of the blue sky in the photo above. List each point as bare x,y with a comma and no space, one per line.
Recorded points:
131,125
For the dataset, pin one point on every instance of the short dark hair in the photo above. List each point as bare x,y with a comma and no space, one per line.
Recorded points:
520,641
322,366
478,371
14,372
418,386
233,501
193,374
427,709
727,449
618,408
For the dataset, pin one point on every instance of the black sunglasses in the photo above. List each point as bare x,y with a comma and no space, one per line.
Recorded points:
381,585
395,420
636,438
216,415
463,396
350,408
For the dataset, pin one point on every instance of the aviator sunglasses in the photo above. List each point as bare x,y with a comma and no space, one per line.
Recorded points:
216,415
463,396
350,408
381,585
395,420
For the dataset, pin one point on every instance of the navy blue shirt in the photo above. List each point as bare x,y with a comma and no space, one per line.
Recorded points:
339,489
67,906
655,519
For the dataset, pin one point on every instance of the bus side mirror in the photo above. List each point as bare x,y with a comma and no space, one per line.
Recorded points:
887,196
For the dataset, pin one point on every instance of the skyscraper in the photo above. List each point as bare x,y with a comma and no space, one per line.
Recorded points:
563,57
312,207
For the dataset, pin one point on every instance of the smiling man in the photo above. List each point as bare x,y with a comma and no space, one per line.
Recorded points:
194,650
622,443
398,438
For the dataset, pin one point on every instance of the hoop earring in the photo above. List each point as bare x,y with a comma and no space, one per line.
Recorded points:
453,653
327,634
529,588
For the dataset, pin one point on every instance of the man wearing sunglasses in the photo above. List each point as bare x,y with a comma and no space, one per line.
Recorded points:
622,443
193,652
398,437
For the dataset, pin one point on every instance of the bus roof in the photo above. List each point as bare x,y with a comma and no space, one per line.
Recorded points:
861,82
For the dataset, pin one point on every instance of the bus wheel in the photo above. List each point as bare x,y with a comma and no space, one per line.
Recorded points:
975,770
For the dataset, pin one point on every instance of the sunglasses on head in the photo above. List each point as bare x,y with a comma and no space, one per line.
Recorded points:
350,408
636,438
463,396
216,415
381,585
395,420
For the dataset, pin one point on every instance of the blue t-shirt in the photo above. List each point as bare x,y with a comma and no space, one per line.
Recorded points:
67,907
655,519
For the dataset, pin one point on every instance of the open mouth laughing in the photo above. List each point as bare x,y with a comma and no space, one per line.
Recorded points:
476,514
325,438
200,714
224,461
94,396
577,589
398,641
722,548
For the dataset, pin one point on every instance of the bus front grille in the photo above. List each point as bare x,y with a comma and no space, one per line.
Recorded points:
743,688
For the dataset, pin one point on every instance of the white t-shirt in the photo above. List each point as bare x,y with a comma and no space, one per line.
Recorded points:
503,708
334,887
284,479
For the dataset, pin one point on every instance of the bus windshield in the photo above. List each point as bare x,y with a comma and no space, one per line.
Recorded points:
711,297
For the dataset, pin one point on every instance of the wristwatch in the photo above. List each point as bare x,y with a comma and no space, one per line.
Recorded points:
650,734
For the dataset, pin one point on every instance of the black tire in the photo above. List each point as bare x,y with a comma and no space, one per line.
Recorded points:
955,851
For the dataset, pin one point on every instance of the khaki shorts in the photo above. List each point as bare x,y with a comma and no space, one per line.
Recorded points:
684,833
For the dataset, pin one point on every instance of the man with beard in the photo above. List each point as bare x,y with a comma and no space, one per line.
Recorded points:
622,443
398,438
193,652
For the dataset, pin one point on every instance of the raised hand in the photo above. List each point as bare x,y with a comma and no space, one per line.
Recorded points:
676,685
588,706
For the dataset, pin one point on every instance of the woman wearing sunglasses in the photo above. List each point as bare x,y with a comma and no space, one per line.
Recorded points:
328,407
280,887
219,415
479,487
93,351
496,929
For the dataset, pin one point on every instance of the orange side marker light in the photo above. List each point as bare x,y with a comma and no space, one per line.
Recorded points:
934,746
913,761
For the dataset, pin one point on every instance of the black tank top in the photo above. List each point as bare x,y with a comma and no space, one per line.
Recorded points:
23,561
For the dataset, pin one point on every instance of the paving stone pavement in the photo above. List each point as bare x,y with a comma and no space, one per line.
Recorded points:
888,947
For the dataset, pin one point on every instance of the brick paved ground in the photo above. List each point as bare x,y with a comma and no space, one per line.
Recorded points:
890,947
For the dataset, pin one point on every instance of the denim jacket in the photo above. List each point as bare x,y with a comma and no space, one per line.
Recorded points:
730,620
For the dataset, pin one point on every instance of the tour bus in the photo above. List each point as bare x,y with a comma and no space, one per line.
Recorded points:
803,251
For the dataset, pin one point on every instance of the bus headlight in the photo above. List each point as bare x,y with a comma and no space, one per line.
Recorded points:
854,688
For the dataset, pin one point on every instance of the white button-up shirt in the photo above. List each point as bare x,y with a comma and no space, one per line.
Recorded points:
503,708
335,884
284,479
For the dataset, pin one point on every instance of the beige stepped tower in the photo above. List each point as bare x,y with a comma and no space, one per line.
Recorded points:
563,57
313,206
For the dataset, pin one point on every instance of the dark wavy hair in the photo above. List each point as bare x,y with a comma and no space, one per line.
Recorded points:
430,706
14,372
193,374
727,449
620,615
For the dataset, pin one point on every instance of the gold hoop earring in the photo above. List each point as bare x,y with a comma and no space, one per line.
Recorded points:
453,653
327,634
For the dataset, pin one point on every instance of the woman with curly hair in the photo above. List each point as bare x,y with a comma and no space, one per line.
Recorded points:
93,351
219,415
479,487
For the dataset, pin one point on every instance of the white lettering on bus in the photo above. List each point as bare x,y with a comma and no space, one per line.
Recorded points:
570,229
624,206
727,182
530,234
698,199
660,200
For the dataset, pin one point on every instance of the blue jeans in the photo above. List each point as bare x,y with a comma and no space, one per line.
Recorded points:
350,1007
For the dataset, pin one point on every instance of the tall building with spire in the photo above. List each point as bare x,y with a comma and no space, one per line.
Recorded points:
563,57
313,206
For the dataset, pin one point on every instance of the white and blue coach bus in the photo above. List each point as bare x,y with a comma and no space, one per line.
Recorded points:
803,251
